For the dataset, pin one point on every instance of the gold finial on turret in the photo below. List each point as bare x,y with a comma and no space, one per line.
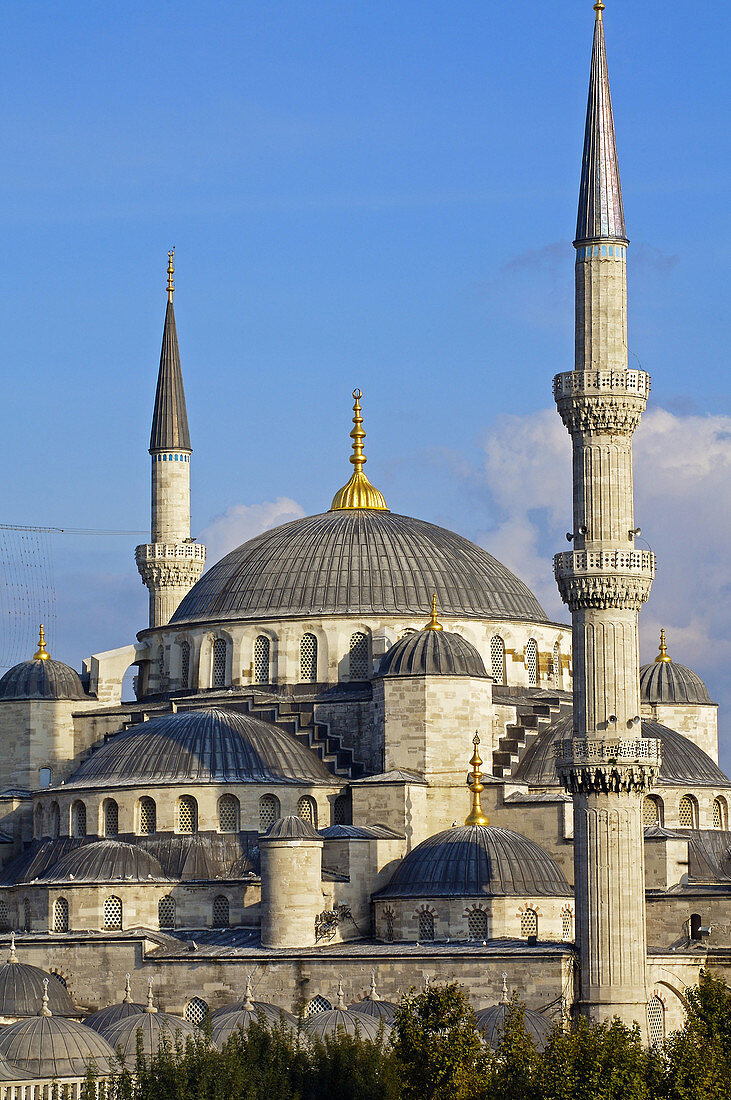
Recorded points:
476,816
663,658
434,623
41,654
358,493
171,272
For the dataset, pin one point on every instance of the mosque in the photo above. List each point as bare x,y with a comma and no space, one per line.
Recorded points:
361,757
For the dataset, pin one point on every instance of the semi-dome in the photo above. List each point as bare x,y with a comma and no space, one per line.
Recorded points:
41,678
491,1022
22,987
154,1026
201,746
106,861
475,860
683,762
664,681
432,651
50,1047
360,561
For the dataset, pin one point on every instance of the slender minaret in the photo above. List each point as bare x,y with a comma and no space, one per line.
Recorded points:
607,766
172,561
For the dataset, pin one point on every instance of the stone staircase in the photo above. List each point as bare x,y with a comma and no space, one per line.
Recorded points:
298,718
532,715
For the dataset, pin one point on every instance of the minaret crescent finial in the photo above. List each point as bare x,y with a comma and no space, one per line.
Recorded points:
171,273
476,816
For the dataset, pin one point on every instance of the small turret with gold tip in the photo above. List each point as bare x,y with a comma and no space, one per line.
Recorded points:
358,493
476,816
663,657
41,654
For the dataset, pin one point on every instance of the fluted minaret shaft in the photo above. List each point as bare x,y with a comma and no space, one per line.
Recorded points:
604,579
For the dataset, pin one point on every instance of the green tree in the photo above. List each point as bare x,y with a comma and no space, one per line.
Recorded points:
597,1062
517,1063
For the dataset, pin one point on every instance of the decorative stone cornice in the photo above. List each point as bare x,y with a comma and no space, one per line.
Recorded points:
586,765
170,565
604,579
603,402
588,383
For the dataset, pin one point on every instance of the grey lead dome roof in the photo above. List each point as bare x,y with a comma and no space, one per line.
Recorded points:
51,1047
477,860
41,680
432,653
491,1022
106,861
201,746
666,682
357,562
21,992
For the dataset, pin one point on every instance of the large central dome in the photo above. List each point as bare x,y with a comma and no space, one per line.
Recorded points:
359,562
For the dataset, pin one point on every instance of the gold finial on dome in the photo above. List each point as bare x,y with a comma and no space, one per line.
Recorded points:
358,493
663,657
599,8
434,623
476,817
41,653
171,272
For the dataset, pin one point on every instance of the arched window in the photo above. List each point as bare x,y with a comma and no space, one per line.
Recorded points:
388,922
44,777
185,664
720,813
220,911
60,915
27,914
261,659
360,660
113,913
308,659
317,1004
497,659
160,663
529,923
4,917
55,815
426,925
111,818
195,1011
688,812
166,912
187,814
567,924
78,819
656,1020
695,926
228,814
651,811
38,821
147,816
269,811
341,810
557,665
531,662
477,924
307,809
218,678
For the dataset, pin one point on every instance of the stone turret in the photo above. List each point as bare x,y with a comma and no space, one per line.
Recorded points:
172,561
607,766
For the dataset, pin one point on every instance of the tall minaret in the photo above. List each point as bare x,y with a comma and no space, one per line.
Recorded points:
172,561
607,766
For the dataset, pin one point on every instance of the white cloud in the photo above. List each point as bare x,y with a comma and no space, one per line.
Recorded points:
241,522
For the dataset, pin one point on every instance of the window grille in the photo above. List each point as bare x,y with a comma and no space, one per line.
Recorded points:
341,811
656,1020
79,819
44,777
38,822
27,914
567,925
497,659
307,810
477,924
360,665
308,659
388,918
113,914
219,663
529,923
557,665
148,816
195,1011
686,813
166,912
719,814
187,814
426,925
531,662
220,911
261,660
268,811
317,1004
185,664
650,812
4,917
111,818
228,814
60,915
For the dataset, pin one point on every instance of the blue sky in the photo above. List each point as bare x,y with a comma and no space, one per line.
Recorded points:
368,194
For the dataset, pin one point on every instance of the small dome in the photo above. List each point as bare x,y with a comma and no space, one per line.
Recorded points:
154,1026
106,861
431,652
666,682
41,680
239,1016
201,746
377,1010
333,1020
106,1017
21,991
291,828
51,1047
491,1022
477,860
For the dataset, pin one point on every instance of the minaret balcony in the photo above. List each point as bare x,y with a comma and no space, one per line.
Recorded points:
592,765
572,383
603,579
169,551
